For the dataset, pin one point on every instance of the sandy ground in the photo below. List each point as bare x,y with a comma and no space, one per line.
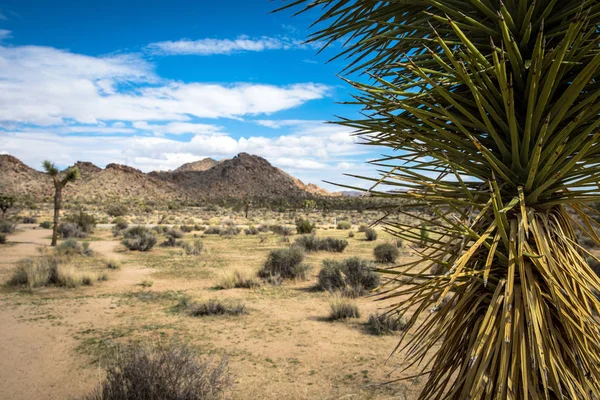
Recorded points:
52,340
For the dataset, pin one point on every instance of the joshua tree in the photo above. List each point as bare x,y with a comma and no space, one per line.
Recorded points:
6,202
60,182
492,108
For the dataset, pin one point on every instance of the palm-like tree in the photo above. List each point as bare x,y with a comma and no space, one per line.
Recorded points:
71,175
492,110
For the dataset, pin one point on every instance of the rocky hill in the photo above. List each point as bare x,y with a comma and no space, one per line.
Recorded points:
244,176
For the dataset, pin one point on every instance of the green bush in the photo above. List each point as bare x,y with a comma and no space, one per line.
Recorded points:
72,247
6,227
386,253
139,238
344,225
312,243
304,226
69,230
363,228
352,277
386,324
166,372
371,235
120,223
286,264
117,210
85,222
46,225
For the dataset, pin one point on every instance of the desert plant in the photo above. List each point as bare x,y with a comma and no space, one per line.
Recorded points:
216,307
251,230
313,243
113,264
84,221
47,270
29,220
213,230
491,108
194,249
187,228
59,182
71,247
166,372
371,235
6,202
236,279
46,224
117,210
342,308
2,238
6,227
386,323
351,234
386,253
304,226
139,238
68,230
174,233
120,223
344,225
286,264
282,230
363,228
351,277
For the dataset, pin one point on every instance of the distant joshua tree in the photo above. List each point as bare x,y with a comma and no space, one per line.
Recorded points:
71,175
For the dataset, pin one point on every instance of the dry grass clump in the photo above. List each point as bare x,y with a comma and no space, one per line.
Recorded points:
211,307
236,279
165,372
285,264
47,270
352,277
371,235
113,264
342,308
386,253
386,324
72,247
194,249
313,243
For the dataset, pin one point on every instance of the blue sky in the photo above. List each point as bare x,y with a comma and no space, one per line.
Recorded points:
155,84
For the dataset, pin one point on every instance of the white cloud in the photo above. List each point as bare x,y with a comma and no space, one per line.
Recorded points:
46,86
4,34
206,47
177,128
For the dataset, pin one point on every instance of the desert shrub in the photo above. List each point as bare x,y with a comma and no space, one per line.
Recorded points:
351,234
85,222
72,247
174,233
344,225
29,220
371,234
281,230
165,372
113,264
263,228
117,210
342,308
304,226
385,324
236,280
160,229
251,230
199,227
230,230
286,264
213,230
47,270
194,249
363,228
386,253
352,277
2,238
69,230
46,225
313,243
187,228
6,227
139,238
215,307
120,223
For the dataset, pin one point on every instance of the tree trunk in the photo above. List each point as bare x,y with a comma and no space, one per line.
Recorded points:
57,201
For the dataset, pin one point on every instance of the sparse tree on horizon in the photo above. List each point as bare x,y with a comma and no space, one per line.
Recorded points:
71,175
6,202
491,109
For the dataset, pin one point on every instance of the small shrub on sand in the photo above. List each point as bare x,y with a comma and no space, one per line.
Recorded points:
211,307
351,277
187,228
120,223
236,279
6,227
286,264
165,372
47,271
139,238
386,324
117,210
213,230
282,230
2,238
29,220
313,243
147,283
113,264
194,249
371,235
174,233
363,228
251,230
304,226
72,247
386,253
344,225
46,225
84,221
342,308
68,230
